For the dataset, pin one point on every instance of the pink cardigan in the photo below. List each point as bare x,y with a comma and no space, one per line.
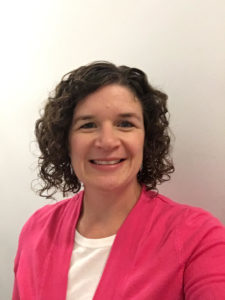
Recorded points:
163,250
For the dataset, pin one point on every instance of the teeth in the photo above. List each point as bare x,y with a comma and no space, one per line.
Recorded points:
102,162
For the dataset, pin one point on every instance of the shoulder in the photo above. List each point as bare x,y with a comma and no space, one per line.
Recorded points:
188,221
190,241
46,225
50,214
187,231
185,213
190,216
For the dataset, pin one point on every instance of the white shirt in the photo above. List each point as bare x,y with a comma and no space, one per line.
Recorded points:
87,263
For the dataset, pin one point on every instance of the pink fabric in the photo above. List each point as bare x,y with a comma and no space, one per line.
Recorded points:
163,250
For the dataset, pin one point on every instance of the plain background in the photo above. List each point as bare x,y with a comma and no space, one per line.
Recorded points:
180,44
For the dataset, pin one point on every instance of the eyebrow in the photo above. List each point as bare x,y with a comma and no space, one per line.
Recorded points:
130,115
83,118
91,117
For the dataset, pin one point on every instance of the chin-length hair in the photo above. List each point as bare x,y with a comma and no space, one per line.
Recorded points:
53,126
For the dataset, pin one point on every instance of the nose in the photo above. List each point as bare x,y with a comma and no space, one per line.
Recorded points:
107,138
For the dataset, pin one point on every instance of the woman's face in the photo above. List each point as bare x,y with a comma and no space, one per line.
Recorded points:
106,138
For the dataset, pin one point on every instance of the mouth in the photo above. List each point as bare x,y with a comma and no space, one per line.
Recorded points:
106,162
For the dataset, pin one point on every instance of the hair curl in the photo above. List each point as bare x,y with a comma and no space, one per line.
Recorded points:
52,128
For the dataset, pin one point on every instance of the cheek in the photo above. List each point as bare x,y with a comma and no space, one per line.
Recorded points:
138,147
74,147
80,147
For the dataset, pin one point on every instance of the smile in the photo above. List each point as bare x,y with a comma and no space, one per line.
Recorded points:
106,162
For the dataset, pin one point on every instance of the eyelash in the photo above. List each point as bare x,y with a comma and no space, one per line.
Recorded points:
123,124
88,125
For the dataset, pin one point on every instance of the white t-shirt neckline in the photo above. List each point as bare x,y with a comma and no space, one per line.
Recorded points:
94,243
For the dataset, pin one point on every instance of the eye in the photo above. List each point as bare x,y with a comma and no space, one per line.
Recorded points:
88,125
125,124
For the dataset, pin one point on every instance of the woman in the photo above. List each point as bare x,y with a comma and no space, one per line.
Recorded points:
107,128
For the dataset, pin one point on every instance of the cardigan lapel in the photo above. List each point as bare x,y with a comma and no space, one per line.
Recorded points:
62,242
125,246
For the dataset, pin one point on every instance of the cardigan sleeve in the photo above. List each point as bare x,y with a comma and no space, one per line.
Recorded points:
24,237
44,249
15,295
204,273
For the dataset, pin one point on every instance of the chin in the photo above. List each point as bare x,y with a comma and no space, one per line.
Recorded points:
110,185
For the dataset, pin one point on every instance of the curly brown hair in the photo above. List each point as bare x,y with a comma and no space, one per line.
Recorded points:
52,128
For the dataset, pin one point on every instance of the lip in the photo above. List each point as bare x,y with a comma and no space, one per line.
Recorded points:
107,167
108,158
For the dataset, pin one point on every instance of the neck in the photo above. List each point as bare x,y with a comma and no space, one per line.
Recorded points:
104,211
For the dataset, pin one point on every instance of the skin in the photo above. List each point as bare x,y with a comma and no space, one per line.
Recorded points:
106,143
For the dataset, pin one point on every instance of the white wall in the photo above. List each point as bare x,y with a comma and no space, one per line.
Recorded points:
181,46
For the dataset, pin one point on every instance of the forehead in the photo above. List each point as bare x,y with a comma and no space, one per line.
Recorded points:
113,98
